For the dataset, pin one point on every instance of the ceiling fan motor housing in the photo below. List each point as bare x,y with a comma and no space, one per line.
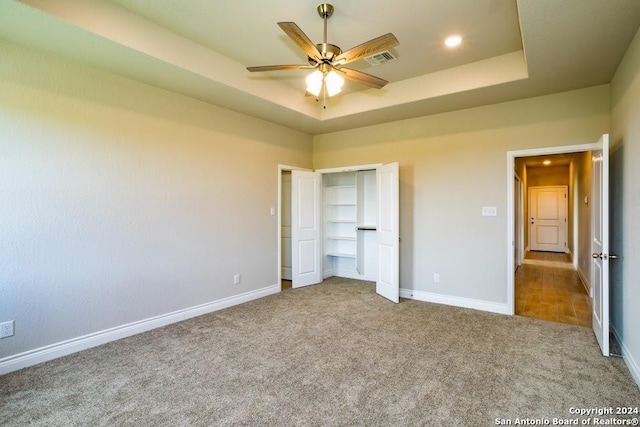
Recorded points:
328,51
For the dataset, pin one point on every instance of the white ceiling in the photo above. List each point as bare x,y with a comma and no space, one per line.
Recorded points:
200,48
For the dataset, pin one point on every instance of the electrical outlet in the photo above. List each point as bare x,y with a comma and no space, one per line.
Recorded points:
236,279
436,278
6,329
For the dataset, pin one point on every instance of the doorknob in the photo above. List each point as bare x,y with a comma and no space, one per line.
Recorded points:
596,256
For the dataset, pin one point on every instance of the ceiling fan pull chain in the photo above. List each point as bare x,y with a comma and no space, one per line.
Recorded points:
324,96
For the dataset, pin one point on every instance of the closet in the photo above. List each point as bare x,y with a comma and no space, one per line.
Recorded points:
344,222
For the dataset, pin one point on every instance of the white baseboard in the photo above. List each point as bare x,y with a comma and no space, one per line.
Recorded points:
631,363
53,351
493,307
585,282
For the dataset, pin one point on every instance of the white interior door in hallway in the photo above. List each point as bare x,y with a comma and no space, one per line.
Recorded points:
548,208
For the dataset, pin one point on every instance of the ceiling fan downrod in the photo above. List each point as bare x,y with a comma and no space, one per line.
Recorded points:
325,10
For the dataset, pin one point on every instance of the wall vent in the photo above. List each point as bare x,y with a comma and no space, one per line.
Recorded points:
380,58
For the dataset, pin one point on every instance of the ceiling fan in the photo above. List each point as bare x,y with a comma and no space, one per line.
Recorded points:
328,59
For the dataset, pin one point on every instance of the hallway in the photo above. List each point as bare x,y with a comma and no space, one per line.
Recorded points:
547,287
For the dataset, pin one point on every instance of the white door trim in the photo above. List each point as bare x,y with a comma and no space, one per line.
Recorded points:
279,217
511,156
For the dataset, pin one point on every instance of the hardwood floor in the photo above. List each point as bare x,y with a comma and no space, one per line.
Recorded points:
548,288
286,284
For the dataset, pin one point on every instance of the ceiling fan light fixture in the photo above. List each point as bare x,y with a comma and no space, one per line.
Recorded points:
314,82
334,82
326,58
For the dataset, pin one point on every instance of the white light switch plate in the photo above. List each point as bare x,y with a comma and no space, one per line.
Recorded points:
489,211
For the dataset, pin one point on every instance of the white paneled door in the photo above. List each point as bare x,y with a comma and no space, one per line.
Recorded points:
548,218
285,230
306,244
388,280
600,243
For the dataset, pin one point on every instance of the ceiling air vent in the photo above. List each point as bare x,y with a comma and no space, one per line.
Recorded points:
380,58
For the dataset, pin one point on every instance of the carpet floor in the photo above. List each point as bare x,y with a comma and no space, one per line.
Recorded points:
330,354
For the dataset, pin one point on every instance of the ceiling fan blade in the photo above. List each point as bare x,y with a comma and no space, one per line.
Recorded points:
364,78
301,39
280,67
367,49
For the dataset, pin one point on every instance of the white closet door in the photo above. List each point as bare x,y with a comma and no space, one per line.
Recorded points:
388,280
306,245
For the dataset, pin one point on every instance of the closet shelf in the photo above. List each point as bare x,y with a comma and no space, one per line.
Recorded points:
333,187
353,239
341,255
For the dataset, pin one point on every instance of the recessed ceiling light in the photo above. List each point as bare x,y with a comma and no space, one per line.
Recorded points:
546,162
453,41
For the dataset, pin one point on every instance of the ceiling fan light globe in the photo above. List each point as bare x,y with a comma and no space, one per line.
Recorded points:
314,82
334,82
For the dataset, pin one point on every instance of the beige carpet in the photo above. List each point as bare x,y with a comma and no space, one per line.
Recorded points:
331,354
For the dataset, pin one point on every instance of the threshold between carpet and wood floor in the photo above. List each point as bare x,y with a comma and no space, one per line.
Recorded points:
331,354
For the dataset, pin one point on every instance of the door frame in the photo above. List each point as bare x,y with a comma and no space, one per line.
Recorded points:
511,156
282,167
278,210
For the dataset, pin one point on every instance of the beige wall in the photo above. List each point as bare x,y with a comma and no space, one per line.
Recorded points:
521,169
453,164
121,201
582,214
545,176
625,204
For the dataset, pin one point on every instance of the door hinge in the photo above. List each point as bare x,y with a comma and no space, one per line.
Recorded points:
565,196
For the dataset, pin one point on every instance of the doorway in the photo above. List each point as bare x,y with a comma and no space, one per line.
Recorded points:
578,260
321,206
591,254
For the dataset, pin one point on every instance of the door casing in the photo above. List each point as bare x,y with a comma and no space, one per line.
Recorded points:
511,156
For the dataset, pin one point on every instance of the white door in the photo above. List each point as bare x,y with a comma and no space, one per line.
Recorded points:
548,218
388,280
600,243
285,230
305,228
